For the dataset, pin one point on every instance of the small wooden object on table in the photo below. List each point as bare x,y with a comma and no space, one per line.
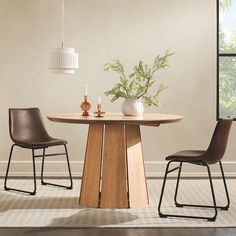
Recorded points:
85,106
99,113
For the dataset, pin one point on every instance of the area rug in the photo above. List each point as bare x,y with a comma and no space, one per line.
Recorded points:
56,207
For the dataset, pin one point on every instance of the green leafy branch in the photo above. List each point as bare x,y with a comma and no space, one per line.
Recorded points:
137,85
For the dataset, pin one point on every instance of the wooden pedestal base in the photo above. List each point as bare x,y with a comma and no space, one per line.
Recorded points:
113,175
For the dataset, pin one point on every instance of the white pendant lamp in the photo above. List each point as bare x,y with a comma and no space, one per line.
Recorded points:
63,60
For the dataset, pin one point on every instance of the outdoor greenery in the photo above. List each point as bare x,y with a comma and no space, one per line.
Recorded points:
225,4
137,84
227,69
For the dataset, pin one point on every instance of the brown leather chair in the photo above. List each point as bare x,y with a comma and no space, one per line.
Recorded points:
212,155
27,130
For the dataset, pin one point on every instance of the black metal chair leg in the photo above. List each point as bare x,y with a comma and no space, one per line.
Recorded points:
7,173
213,218
213,194
69,169
42,167
8,167
162,192
177,186
52,184
34,192
226,189
226,207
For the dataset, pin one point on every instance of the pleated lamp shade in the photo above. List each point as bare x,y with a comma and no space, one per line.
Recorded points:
63,60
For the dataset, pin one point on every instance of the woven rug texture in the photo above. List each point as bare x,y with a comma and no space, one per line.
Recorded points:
57,207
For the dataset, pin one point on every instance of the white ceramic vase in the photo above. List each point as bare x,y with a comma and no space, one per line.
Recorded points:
132,107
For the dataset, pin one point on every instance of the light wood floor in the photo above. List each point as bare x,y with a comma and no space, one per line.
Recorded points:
118,232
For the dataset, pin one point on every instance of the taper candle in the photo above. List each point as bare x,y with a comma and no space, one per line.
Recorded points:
86,89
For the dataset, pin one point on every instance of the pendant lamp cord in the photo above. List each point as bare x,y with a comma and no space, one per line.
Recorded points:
62,23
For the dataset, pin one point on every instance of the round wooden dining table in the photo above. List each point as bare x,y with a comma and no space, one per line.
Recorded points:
113,172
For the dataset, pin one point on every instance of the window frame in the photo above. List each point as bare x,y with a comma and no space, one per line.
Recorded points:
219,55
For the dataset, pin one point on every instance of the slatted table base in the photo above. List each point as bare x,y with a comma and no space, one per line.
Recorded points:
113,174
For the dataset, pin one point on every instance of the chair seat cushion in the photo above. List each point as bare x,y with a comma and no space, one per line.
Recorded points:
43,143
187,155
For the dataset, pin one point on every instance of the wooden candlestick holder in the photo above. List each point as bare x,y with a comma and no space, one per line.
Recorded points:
99,113
85,106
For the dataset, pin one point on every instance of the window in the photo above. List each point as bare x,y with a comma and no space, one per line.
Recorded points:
226,58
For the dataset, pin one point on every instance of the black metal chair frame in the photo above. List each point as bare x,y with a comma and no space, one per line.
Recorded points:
214,206
33,148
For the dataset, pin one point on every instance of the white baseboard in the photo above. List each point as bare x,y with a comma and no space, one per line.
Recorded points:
153,169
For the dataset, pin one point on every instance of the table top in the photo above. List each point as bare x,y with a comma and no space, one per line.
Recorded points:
150,119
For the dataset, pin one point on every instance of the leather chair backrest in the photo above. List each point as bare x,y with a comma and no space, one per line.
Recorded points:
217,147
26,125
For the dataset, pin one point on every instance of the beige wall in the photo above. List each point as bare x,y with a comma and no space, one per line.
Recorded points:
102,30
